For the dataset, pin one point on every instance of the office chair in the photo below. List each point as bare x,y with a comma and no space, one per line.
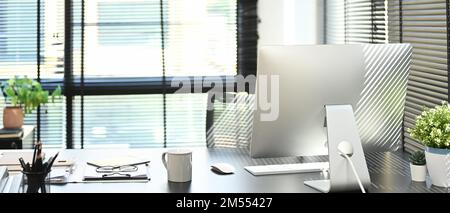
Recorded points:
229,120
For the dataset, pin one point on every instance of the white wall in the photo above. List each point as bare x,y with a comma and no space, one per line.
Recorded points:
290,22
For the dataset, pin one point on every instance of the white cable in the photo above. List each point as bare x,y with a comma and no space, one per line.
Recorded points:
354,172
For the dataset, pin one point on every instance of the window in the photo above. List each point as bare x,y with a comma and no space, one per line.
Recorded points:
121,39
18,24
200,38
116,78
124,50
20,42
120,121
424,24
366,21
18,49
126,38
114,24
18,46
355,21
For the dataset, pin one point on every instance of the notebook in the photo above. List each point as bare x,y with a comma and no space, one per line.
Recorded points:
10,133
90,174
59,175
11,159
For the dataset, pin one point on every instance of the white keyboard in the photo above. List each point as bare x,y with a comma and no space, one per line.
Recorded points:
287,168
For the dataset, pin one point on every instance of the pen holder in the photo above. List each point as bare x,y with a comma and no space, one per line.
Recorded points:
35,182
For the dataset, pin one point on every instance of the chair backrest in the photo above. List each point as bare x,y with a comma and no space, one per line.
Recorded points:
229,120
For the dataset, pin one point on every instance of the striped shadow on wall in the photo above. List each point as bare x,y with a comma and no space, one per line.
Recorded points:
379,112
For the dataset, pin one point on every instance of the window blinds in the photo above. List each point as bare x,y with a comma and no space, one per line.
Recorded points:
125,38
29,27
423,23
334,22
18,43
121,38
18,38
200,37
137,121
355,21
120,121
26,27
121,51
118,43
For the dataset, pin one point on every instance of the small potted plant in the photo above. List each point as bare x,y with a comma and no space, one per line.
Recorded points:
23,95
432,129
417,165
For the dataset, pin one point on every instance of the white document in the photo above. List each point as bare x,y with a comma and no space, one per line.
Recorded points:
11,159
90,174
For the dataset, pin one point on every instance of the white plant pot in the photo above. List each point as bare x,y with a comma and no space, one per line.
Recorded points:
418,172
438,165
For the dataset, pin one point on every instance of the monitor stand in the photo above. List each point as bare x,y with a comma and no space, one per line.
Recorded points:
341,126
320,185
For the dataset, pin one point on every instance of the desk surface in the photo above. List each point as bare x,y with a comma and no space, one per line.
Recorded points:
389,173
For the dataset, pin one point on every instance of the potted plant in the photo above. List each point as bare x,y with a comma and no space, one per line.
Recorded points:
432,129
23,95
417,165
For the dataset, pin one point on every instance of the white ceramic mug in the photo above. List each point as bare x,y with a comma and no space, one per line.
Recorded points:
178,163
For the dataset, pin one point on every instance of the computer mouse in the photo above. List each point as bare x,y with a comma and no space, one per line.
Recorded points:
223,168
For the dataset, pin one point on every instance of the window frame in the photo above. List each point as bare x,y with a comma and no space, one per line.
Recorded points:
246,40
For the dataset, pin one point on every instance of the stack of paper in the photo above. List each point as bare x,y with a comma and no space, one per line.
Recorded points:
14,184
9,183
11,160
10,133
3,177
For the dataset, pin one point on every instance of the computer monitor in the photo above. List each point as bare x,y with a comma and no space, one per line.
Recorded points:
371,78
310,77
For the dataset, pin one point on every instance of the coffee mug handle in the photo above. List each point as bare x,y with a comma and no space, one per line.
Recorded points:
163,158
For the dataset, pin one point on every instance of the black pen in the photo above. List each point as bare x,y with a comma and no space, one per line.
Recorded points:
50,164
39,148
23,164
39,151
47,165
38,164
34,157
45,168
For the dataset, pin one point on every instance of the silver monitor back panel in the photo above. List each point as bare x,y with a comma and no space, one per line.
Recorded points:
372,78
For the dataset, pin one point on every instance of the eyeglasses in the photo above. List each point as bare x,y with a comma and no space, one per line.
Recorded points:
116,169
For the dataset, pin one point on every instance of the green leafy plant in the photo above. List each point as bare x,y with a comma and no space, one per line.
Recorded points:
432,127
27,93
417,158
